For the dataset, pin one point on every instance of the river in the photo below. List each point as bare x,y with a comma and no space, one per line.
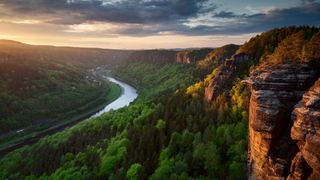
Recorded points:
128,95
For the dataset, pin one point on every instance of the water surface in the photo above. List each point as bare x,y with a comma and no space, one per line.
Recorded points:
128,95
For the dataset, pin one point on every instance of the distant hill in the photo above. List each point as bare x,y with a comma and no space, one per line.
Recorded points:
29,73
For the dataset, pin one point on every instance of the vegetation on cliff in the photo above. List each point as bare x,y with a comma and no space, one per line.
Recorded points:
260,46
217,56
192,55
299,47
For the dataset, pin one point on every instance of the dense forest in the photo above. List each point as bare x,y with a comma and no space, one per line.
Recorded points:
172,130
118,144
40,88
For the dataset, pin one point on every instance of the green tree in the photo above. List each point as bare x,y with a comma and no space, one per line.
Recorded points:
133,171
161,124
164,170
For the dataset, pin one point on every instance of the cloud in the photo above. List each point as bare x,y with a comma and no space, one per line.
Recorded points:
308,1
307,14
121,11
303,15
225,14
153,17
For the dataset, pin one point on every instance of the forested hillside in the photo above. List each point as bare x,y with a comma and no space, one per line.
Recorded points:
184,125
168,132
40,85
43,86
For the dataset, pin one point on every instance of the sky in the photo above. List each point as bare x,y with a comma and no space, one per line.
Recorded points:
149,24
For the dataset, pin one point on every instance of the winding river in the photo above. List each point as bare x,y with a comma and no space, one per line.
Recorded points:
128,95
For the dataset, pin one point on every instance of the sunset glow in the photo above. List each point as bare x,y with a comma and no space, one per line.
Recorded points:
148,24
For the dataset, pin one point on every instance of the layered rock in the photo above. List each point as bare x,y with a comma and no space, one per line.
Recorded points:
275,92
217,56
225,75
306,133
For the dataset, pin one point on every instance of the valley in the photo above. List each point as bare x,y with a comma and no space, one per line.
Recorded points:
118,95
231,112
159,90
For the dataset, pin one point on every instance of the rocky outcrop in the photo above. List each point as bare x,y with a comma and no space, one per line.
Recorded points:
306,134
183,57
217,56
225,74
191,56
274,93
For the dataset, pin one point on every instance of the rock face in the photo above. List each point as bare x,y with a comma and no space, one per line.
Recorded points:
186,56
225,75
306,133
183,57
191,56
274,93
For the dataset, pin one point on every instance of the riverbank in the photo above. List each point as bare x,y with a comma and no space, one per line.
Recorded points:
83,112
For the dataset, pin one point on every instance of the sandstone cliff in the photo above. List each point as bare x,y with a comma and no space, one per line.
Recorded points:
223,77
284,109
185,56
274,152
306,134
217,56
191,56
